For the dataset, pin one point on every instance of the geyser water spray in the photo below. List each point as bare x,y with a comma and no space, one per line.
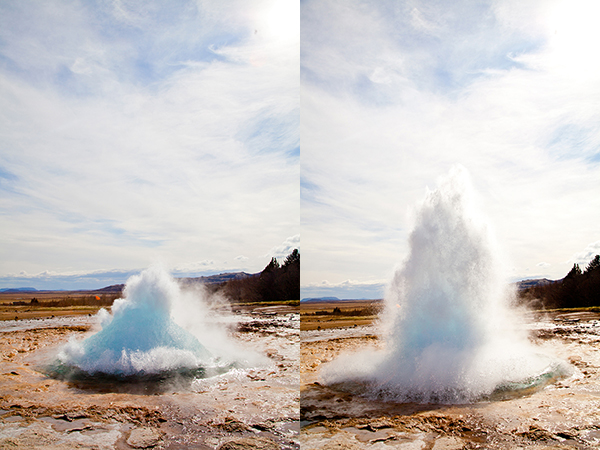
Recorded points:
141,337
450,334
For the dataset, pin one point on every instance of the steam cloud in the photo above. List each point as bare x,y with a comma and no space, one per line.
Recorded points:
450,334
155,328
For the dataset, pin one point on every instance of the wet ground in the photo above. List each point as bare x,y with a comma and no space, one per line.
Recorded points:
563,415
243,408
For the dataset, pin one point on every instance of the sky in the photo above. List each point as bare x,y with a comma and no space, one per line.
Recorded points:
395,93
136,133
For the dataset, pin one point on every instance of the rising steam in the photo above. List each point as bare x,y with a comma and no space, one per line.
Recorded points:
156,328
450,334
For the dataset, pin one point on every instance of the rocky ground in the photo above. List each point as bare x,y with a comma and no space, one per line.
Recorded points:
564,415
243,408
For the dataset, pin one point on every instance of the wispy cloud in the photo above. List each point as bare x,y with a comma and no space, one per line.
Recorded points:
286,247
395,93
141,132
49,280
584,257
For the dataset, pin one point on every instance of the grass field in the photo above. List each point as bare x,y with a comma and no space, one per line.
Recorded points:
341,313
30,305
40,304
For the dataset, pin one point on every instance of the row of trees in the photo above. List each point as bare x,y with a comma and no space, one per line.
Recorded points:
277,282
579,288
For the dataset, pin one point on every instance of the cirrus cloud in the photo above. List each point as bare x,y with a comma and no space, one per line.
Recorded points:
135,133
425,85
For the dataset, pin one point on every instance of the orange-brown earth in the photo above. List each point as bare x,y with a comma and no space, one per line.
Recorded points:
39,304
346,313
253,407
564,415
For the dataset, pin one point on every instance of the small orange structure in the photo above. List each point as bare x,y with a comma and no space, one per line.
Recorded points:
97,298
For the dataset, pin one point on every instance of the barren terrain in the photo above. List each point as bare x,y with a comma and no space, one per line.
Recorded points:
318,315
564,415
249,407
38,304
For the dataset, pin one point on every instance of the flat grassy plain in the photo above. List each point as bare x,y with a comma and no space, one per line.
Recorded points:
21,305
40,304
340,313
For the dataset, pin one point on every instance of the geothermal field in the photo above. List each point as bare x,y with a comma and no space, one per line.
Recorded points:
165,368
446,361
450,363
564,414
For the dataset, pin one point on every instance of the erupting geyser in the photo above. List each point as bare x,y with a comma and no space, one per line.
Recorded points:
140,337
450,334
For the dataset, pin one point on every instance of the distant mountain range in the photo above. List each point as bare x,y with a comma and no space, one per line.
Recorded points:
188,281
335,299
319,299
526,284
220,278
14,290
521,285
113,288
224,277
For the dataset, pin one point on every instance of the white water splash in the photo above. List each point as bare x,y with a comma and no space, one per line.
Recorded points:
450,334
155,328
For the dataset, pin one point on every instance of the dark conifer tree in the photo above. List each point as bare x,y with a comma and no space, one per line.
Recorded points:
593,265
275,283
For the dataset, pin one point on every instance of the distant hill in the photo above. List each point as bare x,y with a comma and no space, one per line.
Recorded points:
215,279
320,299
118,288
526,284
15,290
579,288
275,283
115,288
188,281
